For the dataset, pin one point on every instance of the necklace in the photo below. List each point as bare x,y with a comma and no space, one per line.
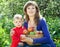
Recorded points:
31,24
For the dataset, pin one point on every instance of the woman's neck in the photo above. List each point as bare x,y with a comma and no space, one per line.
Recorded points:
31,18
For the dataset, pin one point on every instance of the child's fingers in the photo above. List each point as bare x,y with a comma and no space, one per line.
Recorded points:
11,33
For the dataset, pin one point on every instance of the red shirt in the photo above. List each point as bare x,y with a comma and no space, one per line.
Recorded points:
16,36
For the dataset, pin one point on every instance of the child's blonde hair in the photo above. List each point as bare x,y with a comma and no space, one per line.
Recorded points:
17,16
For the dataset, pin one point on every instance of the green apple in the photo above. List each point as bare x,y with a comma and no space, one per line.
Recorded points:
32,33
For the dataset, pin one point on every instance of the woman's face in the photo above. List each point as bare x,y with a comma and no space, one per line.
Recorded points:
31,10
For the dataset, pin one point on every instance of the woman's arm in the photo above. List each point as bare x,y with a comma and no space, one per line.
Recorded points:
27,40
46,35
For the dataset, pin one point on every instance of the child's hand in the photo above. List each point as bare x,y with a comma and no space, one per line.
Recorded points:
12,32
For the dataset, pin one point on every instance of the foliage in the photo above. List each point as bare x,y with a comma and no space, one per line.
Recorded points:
49,7
54,28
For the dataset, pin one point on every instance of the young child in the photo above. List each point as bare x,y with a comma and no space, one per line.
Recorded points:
18,30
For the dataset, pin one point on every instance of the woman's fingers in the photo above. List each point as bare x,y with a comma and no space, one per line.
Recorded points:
23,38
28,40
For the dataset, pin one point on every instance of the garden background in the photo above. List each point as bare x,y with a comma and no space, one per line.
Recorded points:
50,9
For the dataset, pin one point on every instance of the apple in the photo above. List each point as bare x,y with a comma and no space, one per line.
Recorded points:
32,33
38,32
30,29
25,32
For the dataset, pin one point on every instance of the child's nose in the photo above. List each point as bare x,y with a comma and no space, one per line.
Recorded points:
18,23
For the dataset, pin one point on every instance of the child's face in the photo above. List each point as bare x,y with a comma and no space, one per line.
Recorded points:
18,22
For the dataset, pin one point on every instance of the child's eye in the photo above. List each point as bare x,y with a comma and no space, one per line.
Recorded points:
20,21
16,22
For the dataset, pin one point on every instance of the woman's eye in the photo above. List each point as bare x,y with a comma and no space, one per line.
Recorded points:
28,8
32,8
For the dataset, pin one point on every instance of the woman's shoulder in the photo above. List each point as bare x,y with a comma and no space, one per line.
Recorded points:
42,20
25,22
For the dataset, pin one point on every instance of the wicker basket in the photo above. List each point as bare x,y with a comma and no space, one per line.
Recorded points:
36,36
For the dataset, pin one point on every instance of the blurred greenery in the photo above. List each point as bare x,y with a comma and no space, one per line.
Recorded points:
50,9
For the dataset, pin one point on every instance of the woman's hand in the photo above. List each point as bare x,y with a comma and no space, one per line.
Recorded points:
27,40
20,43
11,32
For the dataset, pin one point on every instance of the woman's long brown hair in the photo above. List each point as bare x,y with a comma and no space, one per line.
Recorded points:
37,14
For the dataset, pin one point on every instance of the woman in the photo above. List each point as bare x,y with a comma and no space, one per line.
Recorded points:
34,19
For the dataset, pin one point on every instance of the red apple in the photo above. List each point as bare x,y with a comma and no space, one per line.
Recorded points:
25,32
38,32
30,29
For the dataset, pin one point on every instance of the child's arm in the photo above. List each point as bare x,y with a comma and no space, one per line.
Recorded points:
15,39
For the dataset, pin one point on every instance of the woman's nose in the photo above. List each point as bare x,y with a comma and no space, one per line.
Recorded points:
30,9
